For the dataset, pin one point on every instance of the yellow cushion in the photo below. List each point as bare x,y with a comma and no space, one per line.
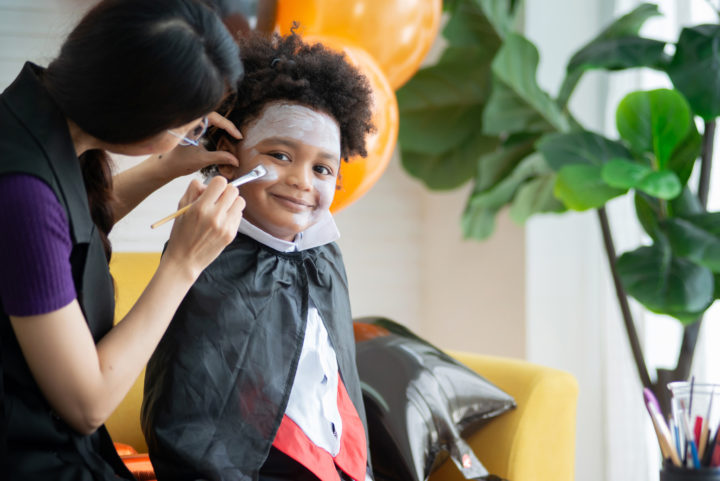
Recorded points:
535,441
132,271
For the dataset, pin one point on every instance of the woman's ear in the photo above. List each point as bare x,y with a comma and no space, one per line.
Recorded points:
226,170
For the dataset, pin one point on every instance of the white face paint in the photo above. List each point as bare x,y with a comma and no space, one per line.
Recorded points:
300,148
296,122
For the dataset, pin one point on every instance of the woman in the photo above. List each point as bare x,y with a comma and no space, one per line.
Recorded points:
134,77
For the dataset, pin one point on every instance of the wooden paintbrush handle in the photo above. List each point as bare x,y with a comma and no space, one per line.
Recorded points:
170,217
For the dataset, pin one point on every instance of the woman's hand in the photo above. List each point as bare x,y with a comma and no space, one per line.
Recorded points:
186,159
133,185
211,223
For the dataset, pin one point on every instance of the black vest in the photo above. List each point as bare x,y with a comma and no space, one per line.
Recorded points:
34,442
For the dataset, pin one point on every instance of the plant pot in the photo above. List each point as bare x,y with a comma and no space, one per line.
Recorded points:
673,473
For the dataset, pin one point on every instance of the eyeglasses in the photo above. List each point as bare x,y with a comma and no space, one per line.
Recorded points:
193,136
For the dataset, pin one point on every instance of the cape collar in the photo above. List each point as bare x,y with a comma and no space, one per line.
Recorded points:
324,231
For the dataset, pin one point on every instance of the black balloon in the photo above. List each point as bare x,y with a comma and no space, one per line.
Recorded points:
242,16
418,402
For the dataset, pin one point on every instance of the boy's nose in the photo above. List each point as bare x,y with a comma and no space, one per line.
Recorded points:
300,177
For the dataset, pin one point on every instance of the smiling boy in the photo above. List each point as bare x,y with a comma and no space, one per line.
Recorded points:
256,376
300,148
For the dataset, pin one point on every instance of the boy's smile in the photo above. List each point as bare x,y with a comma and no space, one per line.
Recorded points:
300,148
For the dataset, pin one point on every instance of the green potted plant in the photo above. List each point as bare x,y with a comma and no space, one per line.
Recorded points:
478,115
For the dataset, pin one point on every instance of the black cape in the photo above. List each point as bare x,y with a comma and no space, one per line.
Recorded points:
218,384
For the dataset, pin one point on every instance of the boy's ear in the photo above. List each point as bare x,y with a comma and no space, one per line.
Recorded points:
227,171
227,145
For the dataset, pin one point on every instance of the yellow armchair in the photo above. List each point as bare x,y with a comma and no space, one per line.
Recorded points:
535,442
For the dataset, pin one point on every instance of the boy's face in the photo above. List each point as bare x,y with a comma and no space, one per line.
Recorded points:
300,148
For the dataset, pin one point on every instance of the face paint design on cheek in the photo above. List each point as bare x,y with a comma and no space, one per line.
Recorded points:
326,192
271,173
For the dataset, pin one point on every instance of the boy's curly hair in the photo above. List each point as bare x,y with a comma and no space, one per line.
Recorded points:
287,69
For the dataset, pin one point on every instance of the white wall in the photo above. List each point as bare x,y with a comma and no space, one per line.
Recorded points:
566,310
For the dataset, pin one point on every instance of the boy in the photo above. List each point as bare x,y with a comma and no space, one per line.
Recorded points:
256,376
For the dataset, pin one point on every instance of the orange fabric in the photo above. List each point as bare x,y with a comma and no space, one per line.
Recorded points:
352,457
139,465
124,449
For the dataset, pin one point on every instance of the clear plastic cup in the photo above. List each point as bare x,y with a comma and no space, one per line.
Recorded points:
695,409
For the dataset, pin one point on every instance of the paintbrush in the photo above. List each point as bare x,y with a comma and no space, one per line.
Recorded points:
254,174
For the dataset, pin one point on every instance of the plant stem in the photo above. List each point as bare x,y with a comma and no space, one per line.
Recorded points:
623,300
706,162
691,332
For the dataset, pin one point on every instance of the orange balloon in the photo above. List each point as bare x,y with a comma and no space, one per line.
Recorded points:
358,174
397,33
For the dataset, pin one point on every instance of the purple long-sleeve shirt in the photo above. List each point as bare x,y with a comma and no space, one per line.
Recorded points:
35,246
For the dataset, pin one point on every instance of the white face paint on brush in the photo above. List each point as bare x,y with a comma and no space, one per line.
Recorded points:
300,148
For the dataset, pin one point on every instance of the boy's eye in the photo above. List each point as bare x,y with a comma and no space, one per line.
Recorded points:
321,169
279,155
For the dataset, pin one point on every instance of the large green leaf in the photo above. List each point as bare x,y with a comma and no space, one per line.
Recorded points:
627,174
663,184
507,112
695,69
649,213
616,47
581,187
665,283
535,196
517,101
611,54
421,132
685,205
500,14
697,238
460,78
652,211
585,147
682,160
624,174
478,220
619,53
498,164
470,27
655,121
441,112
630,23
441,106
447,170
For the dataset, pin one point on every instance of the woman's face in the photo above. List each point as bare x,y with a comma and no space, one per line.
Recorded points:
300,148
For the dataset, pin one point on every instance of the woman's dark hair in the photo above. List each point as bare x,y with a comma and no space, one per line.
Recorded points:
134,68
287,69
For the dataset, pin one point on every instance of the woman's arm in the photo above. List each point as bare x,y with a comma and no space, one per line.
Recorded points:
85,382
132,186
